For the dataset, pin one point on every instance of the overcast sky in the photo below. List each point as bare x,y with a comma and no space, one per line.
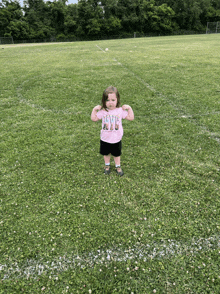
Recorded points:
69,2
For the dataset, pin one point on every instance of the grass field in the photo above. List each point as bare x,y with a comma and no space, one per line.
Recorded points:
68,228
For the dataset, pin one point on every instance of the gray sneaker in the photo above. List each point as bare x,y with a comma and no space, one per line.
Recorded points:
107,169
119,171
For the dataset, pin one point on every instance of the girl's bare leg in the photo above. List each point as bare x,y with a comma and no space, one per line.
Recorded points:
107,159
117,160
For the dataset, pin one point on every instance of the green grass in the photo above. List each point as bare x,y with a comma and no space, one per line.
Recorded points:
57,204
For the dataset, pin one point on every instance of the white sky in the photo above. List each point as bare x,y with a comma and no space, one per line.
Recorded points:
69,2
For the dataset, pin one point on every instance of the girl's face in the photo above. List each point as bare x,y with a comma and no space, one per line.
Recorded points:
111,102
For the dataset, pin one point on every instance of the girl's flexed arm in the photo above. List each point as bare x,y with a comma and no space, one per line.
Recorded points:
130,115
94,113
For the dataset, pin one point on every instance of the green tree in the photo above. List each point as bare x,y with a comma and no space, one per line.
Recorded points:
58,15
165,19
5,17
18,29
188,16
10,14
111,22
213,12
148,18
145,16
90,18
38,16
127,12
192,15
111,26
70,22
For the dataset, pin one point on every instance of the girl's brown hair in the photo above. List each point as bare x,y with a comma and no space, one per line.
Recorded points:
107,91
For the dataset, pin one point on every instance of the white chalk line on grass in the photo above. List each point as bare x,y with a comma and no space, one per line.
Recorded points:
151,116
165,249
164,116
41,108
66,111
181,109
215,136
100,48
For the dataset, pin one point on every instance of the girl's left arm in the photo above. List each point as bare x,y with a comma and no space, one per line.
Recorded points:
94,113
130,115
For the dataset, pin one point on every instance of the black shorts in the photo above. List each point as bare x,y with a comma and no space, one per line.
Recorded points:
107,148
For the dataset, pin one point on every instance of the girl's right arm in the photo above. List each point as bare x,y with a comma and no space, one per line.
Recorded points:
94,113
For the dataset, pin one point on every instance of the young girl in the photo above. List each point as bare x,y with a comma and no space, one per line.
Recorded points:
112,131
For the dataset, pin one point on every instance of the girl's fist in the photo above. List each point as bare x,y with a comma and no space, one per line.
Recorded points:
126,107
98,107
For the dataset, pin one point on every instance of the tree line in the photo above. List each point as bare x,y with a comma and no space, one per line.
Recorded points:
39,19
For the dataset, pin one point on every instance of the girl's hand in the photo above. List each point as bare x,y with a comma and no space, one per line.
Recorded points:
124,107
98,107
94,113
130,115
